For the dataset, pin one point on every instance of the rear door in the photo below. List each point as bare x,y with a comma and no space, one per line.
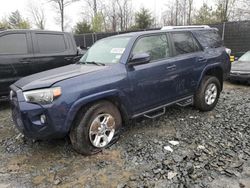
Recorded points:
51,50
15,57
189,60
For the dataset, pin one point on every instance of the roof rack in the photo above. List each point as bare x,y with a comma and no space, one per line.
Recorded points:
184,27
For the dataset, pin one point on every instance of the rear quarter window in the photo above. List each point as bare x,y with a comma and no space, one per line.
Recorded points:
209,38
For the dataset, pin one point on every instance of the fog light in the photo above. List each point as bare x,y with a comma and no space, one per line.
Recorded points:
43,118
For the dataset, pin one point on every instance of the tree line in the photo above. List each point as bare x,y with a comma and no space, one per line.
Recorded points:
119,15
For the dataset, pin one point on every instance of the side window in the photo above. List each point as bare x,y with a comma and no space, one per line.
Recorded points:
209,38
184,42
50,43
156,46
13,44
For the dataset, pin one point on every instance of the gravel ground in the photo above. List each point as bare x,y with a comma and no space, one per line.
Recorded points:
209,150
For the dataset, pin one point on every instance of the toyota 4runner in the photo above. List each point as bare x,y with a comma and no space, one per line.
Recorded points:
121,78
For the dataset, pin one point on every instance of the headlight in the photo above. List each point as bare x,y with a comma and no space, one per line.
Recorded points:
42,96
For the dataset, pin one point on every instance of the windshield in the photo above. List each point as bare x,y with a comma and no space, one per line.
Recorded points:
245,57
107,50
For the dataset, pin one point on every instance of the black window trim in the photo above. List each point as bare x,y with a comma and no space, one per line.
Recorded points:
148,35
173,45
27,44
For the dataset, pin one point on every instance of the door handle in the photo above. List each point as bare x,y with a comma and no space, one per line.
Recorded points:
171,67
68,58
25,61
202,59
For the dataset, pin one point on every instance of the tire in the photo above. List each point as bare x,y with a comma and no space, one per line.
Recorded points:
200,100
88,133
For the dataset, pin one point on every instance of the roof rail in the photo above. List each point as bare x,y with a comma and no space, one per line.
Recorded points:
184,27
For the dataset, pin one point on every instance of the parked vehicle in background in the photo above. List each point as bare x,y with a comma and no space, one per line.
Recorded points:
241,69
25,52
121,78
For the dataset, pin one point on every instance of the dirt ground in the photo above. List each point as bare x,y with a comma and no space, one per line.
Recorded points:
213,150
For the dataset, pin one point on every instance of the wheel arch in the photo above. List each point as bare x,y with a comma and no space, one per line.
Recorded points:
113,96
213,70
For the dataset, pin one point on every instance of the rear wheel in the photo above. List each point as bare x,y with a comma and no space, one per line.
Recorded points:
208,93
96,128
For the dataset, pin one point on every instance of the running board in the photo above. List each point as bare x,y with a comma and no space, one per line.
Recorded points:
4,98
153,115
152,112
185,102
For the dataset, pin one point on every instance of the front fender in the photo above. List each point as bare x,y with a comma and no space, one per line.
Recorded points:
74,109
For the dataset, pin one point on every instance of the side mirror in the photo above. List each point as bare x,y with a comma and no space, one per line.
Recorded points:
139,59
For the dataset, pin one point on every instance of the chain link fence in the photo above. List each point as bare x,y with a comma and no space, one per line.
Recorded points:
236,36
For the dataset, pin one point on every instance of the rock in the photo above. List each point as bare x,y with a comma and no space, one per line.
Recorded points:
168,148
132,178
171,175
157,171
190,168
230,172
177,158
57,181
174,143
201,147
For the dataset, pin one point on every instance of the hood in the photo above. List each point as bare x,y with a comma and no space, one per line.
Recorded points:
50,77
242,66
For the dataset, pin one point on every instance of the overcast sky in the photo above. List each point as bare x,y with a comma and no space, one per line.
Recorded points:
74,11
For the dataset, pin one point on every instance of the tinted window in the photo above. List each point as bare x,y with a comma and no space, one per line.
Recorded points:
50,43
209,38
184,42
13,44
156,46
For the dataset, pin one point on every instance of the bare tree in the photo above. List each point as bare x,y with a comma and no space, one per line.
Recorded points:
93,5
38,15
124,13
61,5
190,7
224,9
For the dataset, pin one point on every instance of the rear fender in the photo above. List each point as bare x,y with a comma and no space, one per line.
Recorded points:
206,69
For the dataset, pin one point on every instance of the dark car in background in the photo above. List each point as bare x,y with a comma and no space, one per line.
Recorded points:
121,78
240,70
25,52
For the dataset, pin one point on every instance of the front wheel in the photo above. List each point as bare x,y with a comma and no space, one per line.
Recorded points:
96,128
208,94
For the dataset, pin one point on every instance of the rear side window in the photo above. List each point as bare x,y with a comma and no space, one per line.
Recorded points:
51,43
156,46
209,38
13,44
184,42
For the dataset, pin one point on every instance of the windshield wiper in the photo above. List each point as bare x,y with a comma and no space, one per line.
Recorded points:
95,63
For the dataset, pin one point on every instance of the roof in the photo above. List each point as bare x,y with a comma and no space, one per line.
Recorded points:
136,34
27,30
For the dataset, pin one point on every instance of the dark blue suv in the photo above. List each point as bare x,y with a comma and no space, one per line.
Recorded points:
121,78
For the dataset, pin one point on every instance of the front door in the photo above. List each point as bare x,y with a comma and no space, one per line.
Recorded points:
152,82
